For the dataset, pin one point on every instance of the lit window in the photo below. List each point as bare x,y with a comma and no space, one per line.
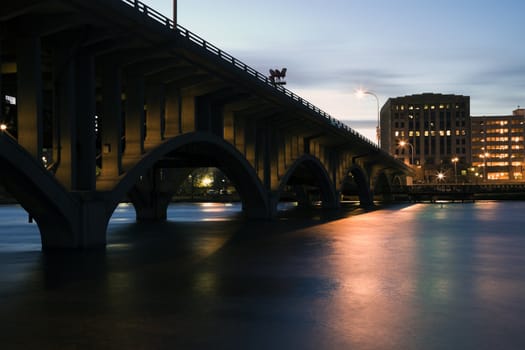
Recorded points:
10,99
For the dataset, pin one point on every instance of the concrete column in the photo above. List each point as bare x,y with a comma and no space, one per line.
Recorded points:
280,143
65,138
300,147
29,94
172,111
270,159
1,93
154,112
249,140
111,119
85,122
134,112
288,159
188,113
333,166
150,198
322,154
230,128
203,113
262,157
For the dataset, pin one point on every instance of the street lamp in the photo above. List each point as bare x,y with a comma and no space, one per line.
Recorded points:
4,130
440,176
484,156
403,144
455,161
175,14
361,93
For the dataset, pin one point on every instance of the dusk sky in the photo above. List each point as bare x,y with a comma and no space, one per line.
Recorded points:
331,48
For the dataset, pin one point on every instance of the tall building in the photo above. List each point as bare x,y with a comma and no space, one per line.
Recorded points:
430,131
498,146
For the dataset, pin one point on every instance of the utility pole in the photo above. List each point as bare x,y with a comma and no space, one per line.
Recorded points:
175,13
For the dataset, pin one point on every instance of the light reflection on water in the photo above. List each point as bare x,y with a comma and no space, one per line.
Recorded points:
444,276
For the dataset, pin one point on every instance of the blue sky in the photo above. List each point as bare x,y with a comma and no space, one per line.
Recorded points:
393,48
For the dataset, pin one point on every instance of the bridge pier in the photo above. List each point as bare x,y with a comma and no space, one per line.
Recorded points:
154,112
91,224
29,94
152,195
84,228
134,114
86,154
64,140
111,119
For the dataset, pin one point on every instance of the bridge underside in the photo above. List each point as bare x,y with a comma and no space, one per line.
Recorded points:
105,96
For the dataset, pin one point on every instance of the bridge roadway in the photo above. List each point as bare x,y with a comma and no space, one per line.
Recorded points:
114,84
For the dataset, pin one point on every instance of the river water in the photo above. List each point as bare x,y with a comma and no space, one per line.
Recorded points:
422,276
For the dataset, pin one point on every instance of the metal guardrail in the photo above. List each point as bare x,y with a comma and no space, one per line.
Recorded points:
462,188
161,19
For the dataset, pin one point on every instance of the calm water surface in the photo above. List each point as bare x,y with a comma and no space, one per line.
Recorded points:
424,276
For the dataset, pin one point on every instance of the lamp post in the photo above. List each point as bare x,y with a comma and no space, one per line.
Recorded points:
485,167
403,144
175,14
484,156
378,128
4,130
440,180
455,161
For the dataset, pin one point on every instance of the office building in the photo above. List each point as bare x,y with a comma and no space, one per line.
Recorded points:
498,146
430,131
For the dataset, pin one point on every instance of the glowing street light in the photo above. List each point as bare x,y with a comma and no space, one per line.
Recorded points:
361,93
3,130
403,144
484,157
455,161
440,176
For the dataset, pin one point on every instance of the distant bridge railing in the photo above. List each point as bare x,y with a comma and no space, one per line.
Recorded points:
462,188
157,16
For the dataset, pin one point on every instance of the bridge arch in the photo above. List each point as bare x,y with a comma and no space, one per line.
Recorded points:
318,175
207,148
357,181
40,194
383,186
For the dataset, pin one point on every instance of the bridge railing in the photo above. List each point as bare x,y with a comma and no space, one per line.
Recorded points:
462,188
161,19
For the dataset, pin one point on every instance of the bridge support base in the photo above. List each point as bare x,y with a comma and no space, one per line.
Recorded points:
86,230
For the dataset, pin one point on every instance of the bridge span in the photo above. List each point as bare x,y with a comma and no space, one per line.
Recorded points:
114,85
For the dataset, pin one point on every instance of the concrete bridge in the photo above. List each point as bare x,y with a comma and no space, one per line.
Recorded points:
113,85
